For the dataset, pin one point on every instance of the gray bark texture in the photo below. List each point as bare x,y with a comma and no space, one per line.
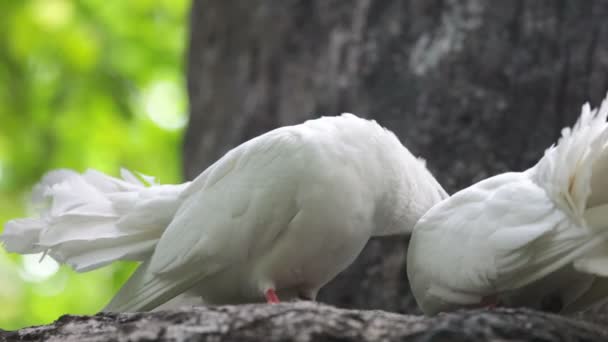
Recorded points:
306,321
475,87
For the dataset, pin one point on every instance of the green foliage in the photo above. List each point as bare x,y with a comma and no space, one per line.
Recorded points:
83,84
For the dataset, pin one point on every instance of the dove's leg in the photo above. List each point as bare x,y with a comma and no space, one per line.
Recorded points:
271,296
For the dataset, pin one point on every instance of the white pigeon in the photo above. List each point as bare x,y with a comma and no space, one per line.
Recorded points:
276,217
536,238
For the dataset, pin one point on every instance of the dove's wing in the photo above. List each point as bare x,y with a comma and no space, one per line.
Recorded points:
233,214
534,239
504,232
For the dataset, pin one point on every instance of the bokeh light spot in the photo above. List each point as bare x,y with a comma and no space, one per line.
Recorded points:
52,13
162,103
35,270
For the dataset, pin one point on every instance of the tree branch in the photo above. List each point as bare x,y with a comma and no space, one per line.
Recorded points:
306,321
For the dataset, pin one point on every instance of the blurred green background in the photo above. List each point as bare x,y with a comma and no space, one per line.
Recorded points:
83,84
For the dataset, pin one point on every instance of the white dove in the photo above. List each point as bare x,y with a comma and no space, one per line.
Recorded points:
278,216
536,238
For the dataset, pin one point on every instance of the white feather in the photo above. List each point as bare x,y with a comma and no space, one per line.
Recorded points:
144,291
90,220
21,236
565,171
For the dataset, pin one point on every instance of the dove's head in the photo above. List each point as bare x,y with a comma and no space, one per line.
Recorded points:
441,258
435,264
425,264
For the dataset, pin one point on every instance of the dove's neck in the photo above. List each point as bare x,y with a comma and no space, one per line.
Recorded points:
410,190
398,183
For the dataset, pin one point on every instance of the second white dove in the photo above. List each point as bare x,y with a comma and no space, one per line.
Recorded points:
536,238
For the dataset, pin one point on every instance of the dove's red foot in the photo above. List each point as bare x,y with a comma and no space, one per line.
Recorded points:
271,297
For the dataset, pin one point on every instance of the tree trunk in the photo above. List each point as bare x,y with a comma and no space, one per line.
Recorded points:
475,87
310,322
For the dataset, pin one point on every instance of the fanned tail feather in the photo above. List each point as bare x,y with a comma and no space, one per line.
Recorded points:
90,220
567,171
575,175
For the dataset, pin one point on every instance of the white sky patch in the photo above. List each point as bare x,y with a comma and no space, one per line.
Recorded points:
35,270
163,103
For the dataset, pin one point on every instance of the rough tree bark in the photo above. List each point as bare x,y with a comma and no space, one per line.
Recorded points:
304,322
476,87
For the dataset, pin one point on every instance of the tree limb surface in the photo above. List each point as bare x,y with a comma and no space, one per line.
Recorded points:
306,321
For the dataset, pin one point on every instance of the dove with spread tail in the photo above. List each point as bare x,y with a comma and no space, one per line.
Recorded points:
537,238
276,217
